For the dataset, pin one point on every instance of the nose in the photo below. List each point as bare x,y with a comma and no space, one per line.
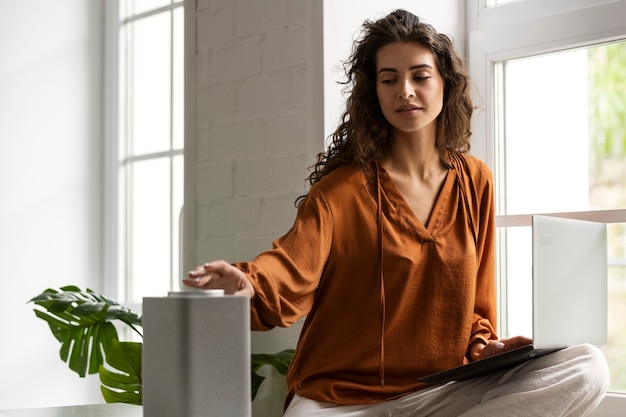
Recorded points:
406,89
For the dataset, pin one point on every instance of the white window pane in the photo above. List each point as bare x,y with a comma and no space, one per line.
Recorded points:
490,3
516,318
546,149
142,6
564,144
150,85
130,8
178,64
149,218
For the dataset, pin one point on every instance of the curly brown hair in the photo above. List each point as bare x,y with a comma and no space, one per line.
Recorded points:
363,134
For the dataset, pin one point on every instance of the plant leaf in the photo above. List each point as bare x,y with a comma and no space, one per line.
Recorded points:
121,377
280,361
256,382
80,320
111,396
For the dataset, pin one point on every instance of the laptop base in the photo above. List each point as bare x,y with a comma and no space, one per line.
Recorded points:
488,365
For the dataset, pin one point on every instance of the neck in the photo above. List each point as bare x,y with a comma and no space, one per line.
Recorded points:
415,156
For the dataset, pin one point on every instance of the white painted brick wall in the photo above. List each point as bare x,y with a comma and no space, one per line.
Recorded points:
227,139
256,132
235,61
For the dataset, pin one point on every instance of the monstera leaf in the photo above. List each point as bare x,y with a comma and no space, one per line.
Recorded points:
280,361
121,375
81,321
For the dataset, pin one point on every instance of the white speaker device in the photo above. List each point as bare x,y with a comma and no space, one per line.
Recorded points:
196,355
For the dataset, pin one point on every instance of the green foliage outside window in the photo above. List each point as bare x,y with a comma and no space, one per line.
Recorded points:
607,164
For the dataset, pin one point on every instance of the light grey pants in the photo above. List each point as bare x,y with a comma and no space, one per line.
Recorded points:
569,382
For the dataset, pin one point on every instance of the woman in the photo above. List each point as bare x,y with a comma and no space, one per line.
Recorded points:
391,256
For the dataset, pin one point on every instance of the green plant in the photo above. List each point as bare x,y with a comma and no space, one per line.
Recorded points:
280,361
82,321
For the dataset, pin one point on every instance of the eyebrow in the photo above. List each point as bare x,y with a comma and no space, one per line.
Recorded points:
412,67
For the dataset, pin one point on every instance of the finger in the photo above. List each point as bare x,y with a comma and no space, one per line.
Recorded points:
516,342
492,348
200,279
195,281
205,268
197,271
221,267
496,346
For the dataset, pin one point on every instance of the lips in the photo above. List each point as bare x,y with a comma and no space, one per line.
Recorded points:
407,108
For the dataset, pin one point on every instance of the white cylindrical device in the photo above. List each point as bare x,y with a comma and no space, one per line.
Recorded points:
196,355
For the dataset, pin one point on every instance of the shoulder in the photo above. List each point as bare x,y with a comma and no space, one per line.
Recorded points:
471,167
337,193
340,180
338,188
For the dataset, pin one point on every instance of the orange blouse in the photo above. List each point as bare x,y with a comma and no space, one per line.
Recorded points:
386,299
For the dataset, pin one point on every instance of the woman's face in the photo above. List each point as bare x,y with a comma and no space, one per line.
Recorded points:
409,87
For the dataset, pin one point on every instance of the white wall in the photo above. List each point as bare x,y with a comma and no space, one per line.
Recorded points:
50,186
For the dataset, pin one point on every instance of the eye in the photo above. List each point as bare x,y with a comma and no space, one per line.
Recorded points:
388,81
421,77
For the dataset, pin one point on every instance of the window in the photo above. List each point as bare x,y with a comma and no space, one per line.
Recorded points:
551,78
491,3
147,160
563,149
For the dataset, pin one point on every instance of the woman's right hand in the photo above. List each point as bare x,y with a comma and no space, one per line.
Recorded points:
220,275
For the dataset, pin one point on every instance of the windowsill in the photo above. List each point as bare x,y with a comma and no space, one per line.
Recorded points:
605,216
613,405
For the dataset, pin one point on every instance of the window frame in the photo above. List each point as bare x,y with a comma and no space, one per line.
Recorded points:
526,28
115,228
110,149
510,31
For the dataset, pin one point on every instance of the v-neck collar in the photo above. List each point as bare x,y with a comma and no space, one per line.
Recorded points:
400,207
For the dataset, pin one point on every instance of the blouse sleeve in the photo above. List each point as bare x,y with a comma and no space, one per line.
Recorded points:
485,310
286,277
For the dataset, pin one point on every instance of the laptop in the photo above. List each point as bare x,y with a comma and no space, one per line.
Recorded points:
569,294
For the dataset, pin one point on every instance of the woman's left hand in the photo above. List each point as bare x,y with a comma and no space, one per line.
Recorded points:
480,351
